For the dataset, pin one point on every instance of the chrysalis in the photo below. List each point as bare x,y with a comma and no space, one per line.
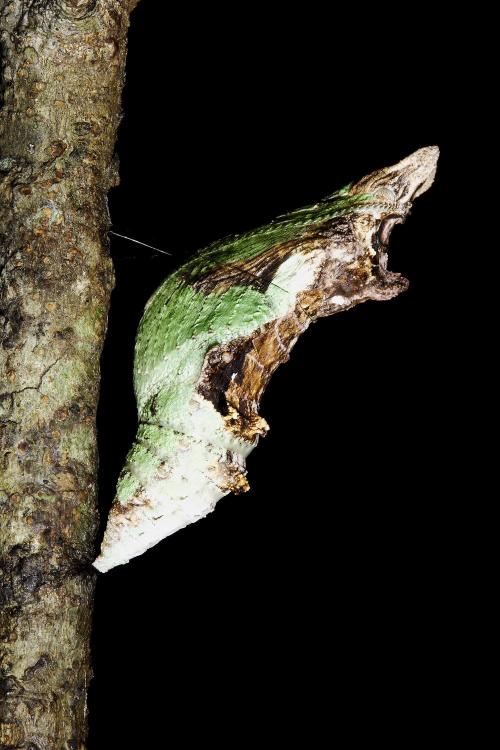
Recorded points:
214,332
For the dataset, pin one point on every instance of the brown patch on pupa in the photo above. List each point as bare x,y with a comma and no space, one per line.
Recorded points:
235,386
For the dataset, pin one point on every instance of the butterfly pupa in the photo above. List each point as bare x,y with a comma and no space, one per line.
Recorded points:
216,329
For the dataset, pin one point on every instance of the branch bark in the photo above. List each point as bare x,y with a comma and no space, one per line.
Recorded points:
63,71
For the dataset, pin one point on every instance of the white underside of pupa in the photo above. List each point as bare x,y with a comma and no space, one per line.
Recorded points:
188,491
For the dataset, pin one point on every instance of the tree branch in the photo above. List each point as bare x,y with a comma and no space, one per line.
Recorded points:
63,71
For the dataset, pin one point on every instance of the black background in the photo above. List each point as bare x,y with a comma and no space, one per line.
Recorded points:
306,608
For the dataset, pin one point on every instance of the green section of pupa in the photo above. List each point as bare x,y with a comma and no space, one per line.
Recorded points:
238,248
181,324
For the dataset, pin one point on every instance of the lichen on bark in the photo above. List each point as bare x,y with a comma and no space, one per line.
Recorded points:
63,67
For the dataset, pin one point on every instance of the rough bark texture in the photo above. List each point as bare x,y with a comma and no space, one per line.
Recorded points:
63,67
